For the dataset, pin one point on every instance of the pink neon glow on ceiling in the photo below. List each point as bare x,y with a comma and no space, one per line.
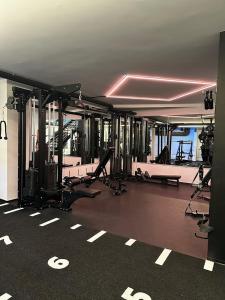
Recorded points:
188,117
111,93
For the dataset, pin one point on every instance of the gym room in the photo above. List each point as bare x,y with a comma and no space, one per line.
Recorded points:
112,150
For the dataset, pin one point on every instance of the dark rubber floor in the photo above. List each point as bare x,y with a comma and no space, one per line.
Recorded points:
151,213
101,270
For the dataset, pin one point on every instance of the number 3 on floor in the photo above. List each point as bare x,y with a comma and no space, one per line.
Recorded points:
127,295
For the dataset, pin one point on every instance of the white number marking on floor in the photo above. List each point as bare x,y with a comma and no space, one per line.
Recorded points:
49,222
6,240
130,242
5,297
96,236
127,295
163,257
35,214
57,263
209,265
75,226
3,204
13,210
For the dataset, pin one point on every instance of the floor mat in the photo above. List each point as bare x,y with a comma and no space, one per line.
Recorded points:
43,258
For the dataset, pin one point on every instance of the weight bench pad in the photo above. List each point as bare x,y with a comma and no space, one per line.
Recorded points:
90,193
170,177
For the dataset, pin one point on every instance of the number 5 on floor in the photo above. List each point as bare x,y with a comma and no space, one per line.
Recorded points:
127,295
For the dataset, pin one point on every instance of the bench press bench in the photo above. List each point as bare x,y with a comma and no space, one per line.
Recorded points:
164,179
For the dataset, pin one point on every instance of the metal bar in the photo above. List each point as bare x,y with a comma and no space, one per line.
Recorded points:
60,142
49,131
158,141
125,146
21,149
131,135
102,149
30,129
24,80
167,134
41,141
53,134
118,158
48,87
33,131
161,138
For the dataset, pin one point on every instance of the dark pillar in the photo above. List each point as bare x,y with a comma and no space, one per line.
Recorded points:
216,248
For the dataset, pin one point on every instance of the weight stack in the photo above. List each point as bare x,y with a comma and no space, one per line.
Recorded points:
50,176
31,183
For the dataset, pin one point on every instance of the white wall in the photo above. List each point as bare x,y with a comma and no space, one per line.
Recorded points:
3,143
8,148
12,155
12,150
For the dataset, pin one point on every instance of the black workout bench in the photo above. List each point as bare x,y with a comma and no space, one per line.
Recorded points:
166,179
173,180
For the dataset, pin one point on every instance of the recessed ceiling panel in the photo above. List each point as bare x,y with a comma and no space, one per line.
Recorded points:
156,88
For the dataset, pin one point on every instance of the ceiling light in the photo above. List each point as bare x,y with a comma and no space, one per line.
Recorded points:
204,85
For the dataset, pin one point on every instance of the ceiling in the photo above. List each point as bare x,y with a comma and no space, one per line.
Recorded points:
96,41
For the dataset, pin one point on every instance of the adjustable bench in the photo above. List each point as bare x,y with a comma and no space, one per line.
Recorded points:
91,176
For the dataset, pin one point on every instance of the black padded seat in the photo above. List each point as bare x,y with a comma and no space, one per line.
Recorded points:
171,177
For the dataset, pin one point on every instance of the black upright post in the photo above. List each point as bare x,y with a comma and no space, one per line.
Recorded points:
170,140
131,136
216,246
161,139
102,148
118,158
141,147
134,152
158,140
21,148
113,144
92,139
125,146
41,140
60,142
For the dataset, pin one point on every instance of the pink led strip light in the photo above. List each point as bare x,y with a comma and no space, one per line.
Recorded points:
124,79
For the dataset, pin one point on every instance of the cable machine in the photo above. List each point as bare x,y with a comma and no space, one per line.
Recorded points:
141,135
105,125
164,134
40,181
121,140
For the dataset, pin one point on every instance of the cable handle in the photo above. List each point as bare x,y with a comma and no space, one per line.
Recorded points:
3,123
